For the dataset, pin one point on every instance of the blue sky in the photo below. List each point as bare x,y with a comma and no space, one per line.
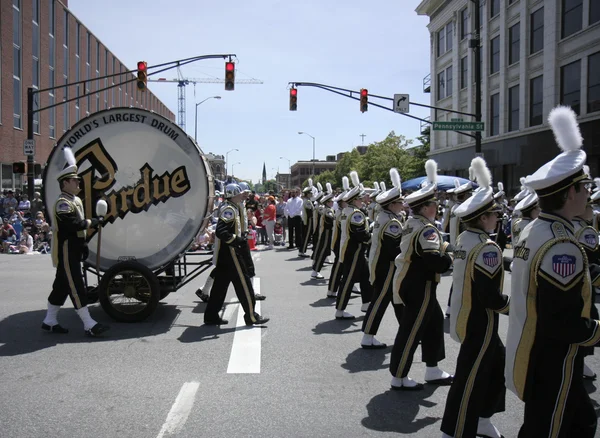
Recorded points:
382,46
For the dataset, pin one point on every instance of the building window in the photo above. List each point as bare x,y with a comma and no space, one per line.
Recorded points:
572,17
570,85
88,73
464,23
481,14
445,83
510,2
594,83
536,40
106,79
536,101
464,72
495,114
112,90
97,76
444,39
494,8
51,76
77,72
513,108
514,35
495,55
594,11
35,66
17,98
120,82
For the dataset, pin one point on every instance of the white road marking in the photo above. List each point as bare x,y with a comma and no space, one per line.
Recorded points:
246,348
230,308
180,410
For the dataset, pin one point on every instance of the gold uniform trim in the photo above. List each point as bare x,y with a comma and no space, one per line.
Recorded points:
559,409
244,284
348,280
76,299
382,293
321,254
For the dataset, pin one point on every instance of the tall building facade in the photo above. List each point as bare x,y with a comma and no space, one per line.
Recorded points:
43,45
535,54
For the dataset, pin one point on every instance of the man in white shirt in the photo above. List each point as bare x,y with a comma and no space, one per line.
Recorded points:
293,212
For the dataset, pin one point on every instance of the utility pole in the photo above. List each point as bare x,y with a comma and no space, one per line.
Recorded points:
475,44
30,158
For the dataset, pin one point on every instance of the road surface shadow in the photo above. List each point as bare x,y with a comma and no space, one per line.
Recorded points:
366,360
21,333
447,325
324,302
338,326
307,268
396,411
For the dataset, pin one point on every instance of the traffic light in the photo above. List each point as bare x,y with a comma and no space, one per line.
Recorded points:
364,100
142,75
37,169
229,76
293,99
19,167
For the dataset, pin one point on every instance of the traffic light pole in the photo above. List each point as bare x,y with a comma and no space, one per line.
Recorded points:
475,44
30,158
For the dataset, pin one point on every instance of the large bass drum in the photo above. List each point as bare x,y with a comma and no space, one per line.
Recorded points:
154,177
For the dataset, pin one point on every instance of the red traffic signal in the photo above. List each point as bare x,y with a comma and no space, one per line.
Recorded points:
364,100
19,167
142,75
229,76
293,99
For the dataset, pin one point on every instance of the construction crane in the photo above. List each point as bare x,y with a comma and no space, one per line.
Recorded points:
181,84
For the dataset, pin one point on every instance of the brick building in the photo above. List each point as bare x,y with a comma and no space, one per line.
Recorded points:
42,45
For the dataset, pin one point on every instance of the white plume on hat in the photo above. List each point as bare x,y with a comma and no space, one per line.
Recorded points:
431,168
382,186
457,182
345,183
471,175
354,178
481,172
597,182
563,122
376,186
586,170
396,181
310,183
69,156
522,181
329,189
500,187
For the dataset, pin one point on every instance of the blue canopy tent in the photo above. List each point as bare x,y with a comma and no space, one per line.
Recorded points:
444,182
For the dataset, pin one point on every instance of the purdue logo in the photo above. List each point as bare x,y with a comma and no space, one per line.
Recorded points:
150,189
521,252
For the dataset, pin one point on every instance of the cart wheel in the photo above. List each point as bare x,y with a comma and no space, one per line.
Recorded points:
129,292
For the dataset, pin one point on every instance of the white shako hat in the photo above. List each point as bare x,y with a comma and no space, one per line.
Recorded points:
529,202
453,189
482,200
317,193
71,170
524,191
345,187
328,195
309,187
500,191
393,194
383,188
375,191
356,191
427,191
566,168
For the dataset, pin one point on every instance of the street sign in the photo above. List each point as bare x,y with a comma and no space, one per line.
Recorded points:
401,103
29,147
458,126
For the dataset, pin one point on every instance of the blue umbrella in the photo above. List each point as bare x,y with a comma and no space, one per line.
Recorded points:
444,182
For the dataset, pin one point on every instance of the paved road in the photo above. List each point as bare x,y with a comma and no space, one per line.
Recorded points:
168,376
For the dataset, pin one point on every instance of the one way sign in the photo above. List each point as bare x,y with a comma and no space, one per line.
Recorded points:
401,103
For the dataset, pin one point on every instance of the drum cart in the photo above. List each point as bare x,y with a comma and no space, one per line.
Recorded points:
129,291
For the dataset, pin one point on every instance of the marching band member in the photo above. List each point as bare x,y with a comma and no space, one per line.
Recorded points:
478,390
527,210
423,257
326,224
307,217
549,318
385,246
500,233
317,213
372,205
336,271
69,249
230,262
448,207
355,235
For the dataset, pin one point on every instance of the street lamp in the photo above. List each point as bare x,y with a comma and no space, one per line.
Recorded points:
232,174
313,159
227,161
196,121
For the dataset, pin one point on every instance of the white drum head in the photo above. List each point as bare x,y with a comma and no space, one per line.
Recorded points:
154,178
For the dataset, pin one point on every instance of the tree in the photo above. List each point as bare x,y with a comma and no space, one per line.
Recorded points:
327,177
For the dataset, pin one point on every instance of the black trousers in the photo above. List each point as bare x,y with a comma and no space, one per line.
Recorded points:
68,281
355,270
322,251
295,231
382,295
226,273
335,277
478,388
315,238
307,235
559,405
423,321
